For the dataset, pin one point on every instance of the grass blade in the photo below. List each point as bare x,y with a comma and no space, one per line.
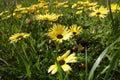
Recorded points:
99,60
112,64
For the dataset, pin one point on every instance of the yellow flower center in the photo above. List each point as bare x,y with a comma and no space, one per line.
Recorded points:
61,62
59,36
19,37
98,13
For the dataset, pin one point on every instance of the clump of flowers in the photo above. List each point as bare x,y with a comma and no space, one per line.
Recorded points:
31,9
63,61
20,10
2,13
81,6
50,17
59,33
18,36
60,4
99,12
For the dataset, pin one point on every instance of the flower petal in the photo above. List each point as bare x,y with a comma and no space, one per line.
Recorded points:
71,58
52,69
66,67
64,56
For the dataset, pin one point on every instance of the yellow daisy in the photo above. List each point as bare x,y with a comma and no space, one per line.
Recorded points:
79,12
59,4
59,33
18,36
101,12
75,29
63,60
115,7
74,5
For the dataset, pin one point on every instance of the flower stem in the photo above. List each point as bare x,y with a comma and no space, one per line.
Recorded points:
86,67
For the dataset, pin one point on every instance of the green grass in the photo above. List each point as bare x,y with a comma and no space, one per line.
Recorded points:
97,47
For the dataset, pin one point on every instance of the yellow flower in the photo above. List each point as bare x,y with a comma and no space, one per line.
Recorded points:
24,10
45,7
60,4
65,6
75,29
92,6
79,12
59,33
18,36
74,5
49,17
101,12
63,61
115,7
19,6
2,13
53,17
8,16
18,16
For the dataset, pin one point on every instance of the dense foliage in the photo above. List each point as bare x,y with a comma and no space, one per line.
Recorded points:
59,40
